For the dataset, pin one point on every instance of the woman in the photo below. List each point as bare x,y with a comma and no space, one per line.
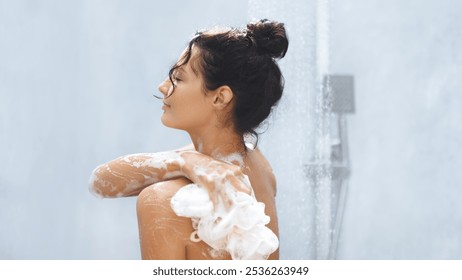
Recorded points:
223,86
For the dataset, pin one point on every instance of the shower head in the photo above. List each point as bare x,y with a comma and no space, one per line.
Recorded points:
342,89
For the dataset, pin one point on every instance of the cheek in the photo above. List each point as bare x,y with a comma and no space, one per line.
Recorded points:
196,114
186,114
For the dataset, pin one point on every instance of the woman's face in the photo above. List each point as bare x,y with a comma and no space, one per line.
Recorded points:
186,105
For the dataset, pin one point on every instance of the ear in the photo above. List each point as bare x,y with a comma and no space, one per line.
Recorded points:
222,97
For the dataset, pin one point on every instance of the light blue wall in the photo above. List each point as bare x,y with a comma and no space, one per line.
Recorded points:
406,135
76,85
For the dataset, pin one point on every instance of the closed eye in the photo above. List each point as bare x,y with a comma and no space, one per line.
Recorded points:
177,79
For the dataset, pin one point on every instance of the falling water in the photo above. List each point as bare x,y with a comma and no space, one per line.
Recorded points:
322,162
298,142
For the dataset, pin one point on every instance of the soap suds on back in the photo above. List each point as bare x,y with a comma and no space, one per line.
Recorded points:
237,226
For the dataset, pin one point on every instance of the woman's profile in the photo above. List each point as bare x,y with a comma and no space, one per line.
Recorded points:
214,199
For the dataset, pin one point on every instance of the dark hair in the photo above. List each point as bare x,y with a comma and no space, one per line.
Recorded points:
244,60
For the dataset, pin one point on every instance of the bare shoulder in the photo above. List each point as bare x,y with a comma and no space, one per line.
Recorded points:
264,185
159,194
261,168
163,234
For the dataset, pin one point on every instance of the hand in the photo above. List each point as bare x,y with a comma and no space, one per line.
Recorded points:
214,175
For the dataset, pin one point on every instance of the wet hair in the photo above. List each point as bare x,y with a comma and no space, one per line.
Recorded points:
244,60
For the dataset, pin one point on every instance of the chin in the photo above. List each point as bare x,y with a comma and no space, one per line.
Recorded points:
165,121
168,123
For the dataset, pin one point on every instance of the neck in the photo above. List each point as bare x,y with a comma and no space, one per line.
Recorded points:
219,143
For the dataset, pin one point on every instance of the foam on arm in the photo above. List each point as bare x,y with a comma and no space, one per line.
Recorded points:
128,175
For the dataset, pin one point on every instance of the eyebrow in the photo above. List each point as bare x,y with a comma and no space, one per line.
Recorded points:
180,69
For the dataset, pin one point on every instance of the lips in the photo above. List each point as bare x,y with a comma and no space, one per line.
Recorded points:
166,106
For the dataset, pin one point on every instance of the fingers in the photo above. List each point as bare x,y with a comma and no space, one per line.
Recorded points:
240,184
215,175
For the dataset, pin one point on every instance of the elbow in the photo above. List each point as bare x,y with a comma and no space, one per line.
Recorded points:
100,187
94,184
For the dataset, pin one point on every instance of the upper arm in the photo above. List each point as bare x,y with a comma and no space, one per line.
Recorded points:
163,234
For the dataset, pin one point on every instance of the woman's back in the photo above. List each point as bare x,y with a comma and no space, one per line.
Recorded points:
263,182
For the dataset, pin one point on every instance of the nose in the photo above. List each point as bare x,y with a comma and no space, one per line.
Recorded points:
166,88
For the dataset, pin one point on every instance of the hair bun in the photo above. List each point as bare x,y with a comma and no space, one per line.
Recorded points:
269,36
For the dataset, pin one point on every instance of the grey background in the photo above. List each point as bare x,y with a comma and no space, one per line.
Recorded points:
76,80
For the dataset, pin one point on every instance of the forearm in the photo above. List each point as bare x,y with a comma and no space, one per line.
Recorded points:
129,175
